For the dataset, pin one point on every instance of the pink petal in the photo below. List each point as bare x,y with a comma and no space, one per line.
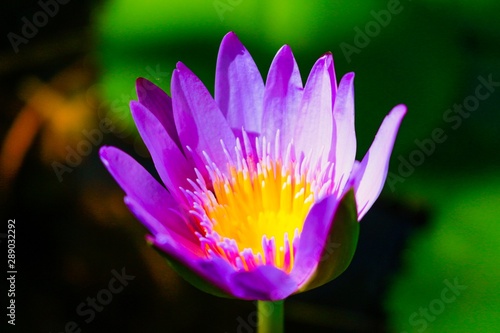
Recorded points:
338,242
163,213
371,173
200,124
313,132
197,269
343,149
171,164
175,226
239,88
313,238
264,283
160,104
282,97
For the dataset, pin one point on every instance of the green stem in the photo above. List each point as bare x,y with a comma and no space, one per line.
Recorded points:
271,316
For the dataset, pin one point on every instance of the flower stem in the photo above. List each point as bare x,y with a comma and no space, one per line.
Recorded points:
271,316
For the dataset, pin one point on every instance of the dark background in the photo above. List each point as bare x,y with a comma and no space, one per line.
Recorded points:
436,222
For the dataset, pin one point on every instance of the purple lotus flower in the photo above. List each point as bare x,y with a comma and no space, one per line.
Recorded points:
262,193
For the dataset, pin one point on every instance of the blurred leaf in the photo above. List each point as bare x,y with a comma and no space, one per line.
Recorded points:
459,245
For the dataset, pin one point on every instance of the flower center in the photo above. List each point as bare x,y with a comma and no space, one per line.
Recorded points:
254,213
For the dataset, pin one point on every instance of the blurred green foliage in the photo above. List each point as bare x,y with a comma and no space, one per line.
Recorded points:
461,244
428,56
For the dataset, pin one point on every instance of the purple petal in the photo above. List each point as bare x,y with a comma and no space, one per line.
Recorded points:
171,164
146,194
160,104
313,132
343,149
264,283
239,88
209,274
340,245
200,123
174,226
282,97
313,238
371,173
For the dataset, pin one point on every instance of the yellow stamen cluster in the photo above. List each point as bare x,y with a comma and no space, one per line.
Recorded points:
266,199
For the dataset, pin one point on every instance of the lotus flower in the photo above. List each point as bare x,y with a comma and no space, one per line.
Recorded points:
261,195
